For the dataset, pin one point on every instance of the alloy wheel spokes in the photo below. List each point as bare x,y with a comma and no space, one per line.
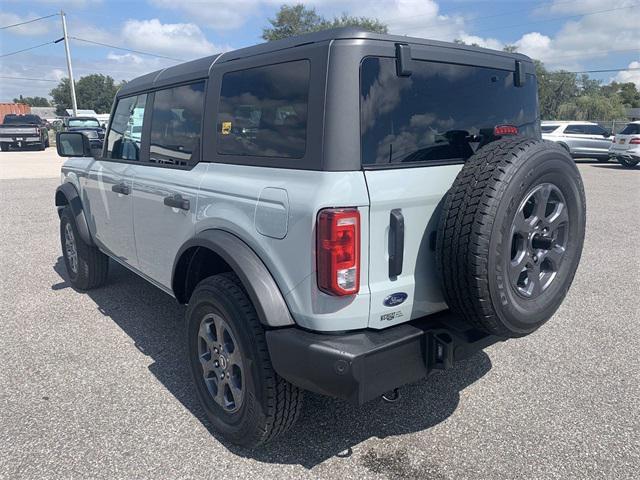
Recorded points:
70,248
539,237
221,361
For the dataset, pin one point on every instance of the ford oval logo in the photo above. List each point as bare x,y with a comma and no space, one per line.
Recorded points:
395,299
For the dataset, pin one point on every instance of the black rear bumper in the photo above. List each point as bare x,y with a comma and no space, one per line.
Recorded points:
362,365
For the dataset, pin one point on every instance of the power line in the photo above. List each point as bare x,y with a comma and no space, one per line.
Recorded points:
126,49
566,17
27,49
27,78
28,21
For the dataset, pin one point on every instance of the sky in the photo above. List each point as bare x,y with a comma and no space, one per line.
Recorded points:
572,35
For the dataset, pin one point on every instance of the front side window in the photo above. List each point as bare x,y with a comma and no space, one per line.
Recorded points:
123,142
594,130
442,112
176,122
263,111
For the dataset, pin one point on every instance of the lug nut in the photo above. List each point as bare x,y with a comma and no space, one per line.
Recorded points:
217,363
222,376
215,350
535,258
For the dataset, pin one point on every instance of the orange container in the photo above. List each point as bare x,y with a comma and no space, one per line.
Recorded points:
18,108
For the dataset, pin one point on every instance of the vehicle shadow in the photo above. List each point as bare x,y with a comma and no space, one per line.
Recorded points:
615,166
326,428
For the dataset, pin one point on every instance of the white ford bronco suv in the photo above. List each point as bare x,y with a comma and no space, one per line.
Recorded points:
342,212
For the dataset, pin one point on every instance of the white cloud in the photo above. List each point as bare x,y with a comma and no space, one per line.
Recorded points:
181,40
629,75
126,58
35,28
219,15
483,42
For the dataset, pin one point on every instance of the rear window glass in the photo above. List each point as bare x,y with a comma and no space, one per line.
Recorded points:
22,119
631,129
263,111
594,130
442,112
548,128
176,122
84,122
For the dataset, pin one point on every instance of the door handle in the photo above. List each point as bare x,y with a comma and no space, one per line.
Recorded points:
176,201
396,242
122,188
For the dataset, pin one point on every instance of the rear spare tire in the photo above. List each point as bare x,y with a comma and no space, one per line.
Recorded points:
510,235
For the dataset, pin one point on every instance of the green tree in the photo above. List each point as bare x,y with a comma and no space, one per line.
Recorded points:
93,92
554,89
32,101
297,19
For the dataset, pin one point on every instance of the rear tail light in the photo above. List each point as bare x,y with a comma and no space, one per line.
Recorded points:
635,141
500,130
38,130
338,251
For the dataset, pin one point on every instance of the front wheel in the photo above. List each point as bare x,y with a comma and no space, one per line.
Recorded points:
627,162
87,266
241,394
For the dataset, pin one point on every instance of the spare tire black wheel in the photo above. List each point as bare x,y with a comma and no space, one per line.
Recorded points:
510,235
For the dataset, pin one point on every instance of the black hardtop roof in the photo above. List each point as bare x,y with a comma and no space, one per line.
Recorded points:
200,68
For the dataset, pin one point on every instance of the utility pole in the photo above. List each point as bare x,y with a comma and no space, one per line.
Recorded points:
66,49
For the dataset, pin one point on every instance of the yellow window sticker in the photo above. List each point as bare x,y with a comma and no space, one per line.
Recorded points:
226,128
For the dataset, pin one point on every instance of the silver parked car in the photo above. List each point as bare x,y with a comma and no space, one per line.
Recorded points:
581,139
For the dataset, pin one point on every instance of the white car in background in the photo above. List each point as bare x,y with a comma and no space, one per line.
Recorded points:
581,139
626,146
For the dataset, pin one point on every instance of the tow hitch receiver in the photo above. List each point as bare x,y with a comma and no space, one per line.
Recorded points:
364,365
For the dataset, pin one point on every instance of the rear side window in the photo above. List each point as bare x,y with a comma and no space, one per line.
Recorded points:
548,128
123,142
631,129
176,122
441,113
263,111
575,129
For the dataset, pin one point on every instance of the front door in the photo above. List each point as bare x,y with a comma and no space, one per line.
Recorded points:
110,182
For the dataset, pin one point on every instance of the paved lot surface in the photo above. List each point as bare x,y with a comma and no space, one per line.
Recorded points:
94,385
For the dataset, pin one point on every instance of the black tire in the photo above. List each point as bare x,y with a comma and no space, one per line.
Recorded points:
627,163
4,147
40,146
46,142
478,235
269,404
603,159
91,265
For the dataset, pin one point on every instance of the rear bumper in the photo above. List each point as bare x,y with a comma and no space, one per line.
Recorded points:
17,139
630,154
363,365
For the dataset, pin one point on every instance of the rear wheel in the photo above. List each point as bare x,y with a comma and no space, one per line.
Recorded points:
510,235
627,162
4,147
603,159
241,394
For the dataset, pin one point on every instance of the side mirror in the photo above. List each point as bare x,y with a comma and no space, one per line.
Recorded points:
73,144
606,134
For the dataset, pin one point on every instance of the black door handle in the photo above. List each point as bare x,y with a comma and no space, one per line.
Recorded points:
396,242
122,188
176,201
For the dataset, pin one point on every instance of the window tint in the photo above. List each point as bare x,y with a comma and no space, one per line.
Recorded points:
123,141
176,122
263,111
84,122
594,130
442,112
631,129
548,128
576,129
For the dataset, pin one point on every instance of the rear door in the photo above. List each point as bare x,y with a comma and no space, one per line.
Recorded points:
417,131
165,188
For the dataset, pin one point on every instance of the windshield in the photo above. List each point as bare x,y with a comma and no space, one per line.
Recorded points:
441,113
84,123
22,120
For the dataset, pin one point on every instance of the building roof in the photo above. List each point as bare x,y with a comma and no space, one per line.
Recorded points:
81,113
44,112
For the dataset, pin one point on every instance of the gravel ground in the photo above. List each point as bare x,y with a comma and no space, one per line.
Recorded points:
95,386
